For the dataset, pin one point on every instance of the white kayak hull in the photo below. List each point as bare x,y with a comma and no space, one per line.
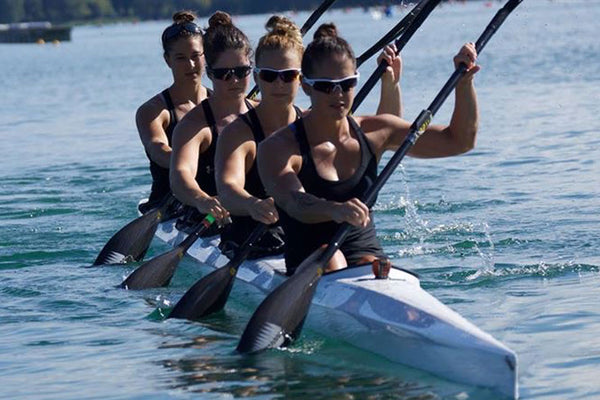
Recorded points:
393,317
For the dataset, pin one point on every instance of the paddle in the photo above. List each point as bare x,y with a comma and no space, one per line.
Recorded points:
279,318
209,294
131,242
422,10
305,28
159,271
393,33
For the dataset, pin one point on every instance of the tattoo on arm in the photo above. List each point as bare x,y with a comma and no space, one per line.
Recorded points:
304,200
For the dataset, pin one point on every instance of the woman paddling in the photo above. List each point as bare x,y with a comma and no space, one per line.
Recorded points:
278,60
317,168
227,53
156,118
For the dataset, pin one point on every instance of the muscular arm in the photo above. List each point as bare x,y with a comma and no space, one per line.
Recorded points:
390,100
389,132
234,157
151,119
187,141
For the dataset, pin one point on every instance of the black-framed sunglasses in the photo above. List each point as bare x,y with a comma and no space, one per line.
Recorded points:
269,74
176,29
224,74
329,85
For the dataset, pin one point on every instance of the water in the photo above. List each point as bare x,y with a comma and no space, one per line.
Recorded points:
507,235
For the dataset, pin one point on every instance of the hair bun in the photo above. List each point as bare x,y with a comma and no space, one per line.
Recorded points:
184,16
326,30
219,18
280,25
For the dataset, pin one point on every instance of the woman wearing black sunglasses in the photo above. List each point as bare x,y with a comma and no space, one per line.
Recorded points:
227,52
278,59
317,168
156,118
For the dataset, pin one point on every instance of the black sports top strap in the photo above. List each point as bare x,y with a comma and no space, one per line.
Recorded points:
172,116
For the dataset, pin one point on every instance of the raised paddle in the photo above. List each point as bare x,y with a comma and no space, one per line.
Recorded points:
393,33
131,242
159,271
422,10
305,28
279,318
210,293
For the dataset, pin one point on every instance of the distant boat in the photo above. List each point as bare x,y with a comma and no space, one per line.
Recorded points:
34,32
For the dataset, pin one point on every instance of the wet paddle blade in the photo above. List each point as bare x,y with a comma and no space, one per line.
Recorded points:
207,296
279,318
132,241
156,272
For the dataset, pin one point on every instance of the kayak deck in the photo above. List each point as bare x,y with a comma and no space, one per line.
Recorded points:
392,317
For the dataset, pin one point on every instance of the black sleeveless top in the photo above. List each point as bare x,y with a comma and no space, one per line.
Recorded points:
304,238
160,176
243,225
205,175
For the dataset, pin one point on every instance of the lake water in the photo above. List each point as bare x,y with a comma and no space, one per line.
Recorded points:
507,235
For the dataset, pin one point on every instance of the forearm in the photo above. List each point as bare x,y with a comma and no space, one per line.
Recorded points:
160,153
185,188
237,200
465,118
390,100
308,208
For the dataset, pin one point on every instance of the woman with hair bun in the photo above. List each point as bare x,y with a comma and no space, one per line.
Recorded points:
317,168
228,54
278,60
157,117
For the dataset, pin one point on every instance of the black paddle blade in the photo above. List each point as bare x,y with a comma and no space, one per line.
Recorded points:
132,241
207,296
156,272
279,318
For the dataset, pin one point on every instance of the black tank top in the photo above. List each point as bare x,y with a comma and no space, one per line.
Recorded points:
243,225
205,176
303,238
160,176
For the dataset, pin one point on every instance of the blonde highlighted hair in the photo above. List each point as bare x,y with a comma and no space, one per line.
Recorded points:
282,34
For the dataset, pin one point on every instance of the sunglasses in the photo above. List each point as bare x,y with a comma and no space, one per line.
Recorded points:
269,75
224,74
329,85
176,29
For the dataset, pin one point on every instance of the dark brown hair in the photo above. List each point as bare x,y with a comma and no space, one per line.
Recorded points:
176,30
325,44
282,34
222,35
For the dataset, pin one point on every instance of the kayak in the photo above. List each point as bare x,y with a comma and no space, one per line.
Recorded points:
394,317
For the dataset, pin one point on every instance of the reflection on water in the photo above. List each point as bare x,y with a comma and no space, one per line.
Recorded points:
279,375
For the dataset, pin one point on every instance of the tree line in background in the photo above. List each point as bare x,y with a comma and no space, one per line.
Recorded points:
81,11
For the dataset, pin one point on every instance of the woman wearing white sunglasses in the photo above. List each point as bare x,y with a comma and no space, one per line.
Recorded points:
278,60
317,168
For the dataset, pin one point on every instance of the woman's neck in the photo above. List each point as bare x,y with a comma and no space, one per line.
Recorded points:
323,127
186,92
274,115
224,106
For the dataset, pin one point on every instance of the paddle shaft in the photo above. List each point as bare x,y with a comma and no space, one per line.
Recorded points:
393,33
305,28
195,234
417,16
419,126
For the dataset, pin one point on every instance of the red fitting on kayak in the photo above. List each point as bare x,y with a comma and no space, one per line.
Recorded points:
381,268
